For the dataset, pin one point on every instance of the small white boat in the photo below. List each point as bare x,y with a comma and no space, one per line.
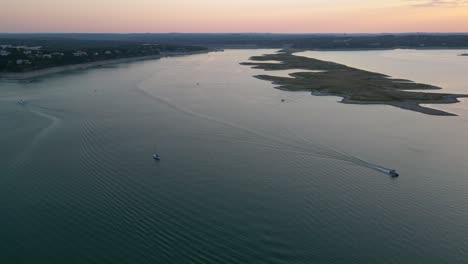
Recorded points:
155,155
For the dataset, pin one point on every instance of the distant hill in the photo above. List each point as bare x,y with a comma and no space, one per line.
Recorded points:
258,40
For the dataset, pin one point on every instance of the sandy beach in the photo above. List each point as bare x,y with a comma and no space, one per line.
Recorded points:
83,66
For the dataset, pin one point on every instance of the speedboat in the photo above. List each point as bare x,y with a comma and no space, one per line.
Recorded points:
393,173
390,172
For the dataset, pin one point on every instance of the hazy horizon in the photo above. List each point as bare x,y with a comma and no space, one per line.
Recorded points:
243,16
214,33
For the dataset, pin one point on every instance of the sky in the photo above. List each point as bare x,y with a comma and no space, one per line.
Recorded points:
274,16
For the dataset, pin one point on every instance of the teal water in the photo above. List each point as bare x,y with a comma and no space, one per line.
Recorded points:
244,178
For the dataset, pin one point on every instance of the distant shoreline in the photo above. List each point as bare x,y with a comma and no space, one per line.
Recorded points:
83,66
296,50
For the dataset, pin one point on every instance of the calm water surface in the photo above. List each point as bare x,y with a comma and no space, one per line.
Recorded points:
244,178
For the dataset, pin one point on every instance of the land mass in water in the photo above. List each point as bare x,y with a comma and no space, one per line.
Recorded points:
355,86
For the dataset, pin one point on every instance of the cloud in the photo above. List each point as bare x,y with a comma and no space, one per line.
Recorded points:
438,3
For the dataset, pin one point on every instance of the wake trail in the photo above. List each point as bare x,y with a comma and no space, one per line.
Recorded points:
23,156
250,131
351,158
298,145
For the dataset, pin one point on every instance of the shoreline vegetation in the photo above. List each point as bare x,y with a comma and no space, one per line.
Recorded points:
355,86
23,58
251,40
31,74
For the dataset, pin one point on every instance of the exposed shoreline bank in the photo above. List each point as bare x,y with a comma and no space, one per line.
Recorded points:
354,86
83,66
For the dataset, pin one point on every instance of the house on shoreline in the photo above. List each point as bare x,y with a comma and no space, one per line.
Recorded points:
80,53
4,53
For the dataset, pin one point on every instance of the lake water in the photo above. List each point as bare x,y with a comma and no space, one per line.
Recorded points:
244,177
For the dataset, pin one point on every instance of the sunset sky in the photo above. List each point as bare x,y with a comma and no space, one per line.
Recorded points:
276,16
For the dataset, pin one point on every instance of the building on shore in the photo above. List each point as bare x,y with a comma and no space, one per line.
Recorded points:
4,53
23,62
80,53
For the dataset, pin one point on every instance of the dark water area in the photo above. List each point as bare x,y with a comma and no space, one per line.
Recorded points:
243,177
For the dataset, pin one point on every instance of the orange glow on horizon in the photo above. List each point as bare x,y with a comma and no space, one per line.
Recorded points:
295,16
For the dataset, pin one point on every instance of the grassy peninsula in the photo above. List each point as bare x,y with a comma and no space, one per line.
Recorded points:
355,86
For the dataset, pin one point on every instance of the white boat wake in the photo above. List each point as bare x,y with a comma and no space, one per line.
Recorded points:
38,138
287,143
